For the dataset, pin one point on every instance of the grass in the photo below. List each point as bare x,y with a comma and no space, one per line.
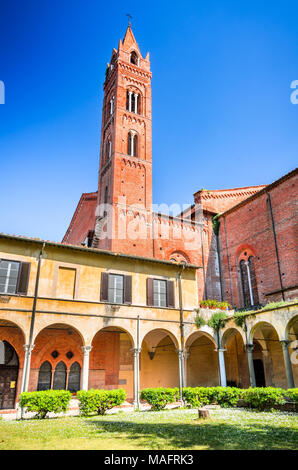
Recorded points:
168,429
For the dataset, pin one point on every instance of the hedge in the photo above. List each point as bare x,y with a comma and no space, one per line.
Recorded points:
46,401
264,398
158,398
261,398
292,394
99,401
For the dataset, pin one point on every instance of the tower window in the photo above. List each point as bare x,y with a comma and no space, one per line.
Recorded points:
132,102
132,144
134,58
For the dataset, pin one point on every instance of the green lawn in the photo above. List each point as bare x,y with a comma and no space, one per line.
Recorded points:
168,429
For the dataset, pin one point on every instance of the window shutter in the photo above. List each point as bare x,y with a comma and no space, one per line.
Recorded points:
149,291
170,294
23,280
104,287
127,290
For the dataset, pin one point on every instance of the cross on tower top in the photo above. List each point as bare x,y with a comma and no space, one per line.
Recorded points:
129,18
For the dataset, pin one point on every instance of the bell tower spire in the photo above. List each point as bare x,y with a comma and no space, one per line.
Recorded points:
125,171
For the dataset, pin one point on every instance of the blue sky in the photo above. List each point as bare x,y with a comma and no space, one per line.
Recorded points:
222,115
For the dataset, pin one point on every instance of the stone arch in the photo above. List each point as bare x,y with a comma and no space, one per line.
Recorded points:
55,342
66,323
13,333
159,359
202,360
236,364
179,256
267,355
111,359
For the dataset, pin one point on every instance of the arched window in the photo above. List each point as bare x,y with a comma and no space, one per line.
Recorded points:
74,377
60,377
45,376
248,280
108,152
132,144
133,102
134,58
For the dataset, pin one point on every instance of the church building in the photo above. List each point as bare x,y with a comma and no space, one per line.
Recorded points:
114,305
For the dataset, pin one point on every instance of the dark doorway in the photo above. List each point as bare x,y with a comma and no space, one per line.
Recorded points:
9,369
259,373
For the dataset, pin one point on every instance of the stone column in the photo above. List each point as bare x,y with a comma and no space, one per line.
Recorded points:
85,373
129,100
252,377
136,377
222,367
181,355
26,370
289,371
136,103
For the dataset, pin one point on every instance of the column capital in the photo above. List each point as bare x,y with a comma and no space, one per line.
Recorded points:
86,349
136,351
220,350
249,347
28,347
284,343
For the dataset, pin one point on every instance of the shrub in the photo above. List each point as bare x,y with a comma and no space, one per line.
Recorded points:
199,321
218,320
158,398
46,401
99,401
292,394
225,396
213,304
263,398
196,396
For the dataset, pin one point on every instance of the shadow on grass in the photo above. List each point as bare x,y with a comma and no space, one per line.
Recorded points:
199,434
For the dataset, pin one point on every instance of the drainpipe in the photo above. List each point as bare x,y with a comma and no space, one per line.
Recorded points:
28,347
181,351
203,262
276,247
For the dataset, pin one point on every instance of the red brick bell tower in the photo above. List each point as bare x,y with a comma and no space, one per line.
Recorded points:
125,171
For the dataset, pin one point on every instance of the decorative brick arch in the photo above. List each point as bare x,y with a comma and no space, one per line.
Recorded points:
179,256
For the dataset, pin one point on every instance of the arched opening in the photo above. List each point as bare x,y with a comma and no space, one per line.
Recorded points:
248,278
292,336
12,340
134,58
133,102
111,360
237,372
202,361
57,349
159,360
132,144
45,376
268,358
9,369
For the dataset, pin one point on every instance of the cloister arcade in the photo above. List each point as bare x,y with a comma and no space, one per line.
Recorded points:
133,354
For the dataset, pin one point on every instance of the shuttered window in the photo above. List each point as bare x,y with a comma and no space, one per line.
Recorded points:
115,288
14,277
160,293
